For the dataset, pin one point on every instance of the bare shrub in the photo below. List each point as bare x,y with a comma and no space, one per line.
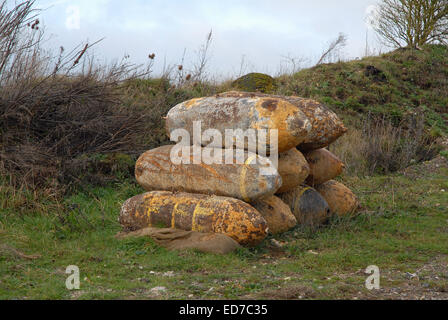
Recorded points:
381,147
333,51
290,64
349,148
200,66
55,109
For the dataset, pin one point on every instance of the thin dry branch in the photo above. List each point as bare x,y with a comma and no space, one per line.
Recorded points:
333,47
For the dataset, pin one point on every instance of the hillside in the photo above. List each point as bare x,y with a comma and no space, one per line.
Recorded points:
393,84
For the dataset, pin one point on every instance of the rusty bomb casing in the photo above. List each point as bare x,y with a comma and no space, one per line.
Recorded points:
326,127
233,112
324,166
307,205
195,212
293,168
342,200
247,181
277,214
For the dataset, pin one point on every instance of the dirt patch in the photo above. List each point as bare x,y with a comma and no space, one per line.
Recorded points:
429,282
425,168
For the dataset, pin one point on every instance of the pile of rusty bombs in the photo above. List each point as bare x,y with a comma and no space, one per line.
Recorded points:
207,188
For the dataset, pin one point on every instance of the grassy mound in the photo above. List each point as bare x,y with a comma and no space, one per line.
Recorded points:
395,85
255,82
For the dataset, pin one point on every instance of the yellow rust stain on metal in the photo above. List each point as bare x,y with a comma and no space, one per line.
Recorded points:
192,102
214,173
277,119
151,208
156,164
173,218
223,215
303,191
243,177
240,227
203,211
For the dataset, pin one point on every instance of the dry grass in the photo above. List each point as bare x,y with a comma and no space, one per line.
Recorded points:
54,109
380,147
66,121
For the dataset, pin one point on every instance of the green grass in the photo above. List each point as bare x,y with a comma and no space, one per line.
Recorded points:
393,85
403,225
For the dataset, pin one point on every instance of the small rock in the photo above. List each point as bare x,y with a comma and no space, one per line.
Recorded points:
158,289
276,243
411,276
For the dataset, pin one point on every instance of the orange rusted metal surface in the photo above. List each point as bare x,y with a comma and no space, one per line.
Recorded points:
195,212
293,168
326,127
277,214
307,205
324,166
155,170
223,112
342,200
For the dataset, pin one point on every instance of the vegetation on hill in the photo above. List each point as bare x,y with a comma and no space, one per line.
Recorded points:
394,85
70,132
402,229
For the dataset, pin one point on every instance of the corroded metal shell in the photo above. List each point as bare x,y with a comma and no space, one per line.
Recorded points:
293,168
277,214
324,166
308,206
326,127
195,212
245,112
245,180
342,200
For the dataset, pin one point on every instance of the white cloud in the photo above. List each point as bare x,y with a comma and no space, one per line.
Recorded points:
262,30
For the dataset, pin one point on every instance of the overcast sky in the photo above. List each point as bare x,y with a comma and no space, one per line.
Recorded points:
263,31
